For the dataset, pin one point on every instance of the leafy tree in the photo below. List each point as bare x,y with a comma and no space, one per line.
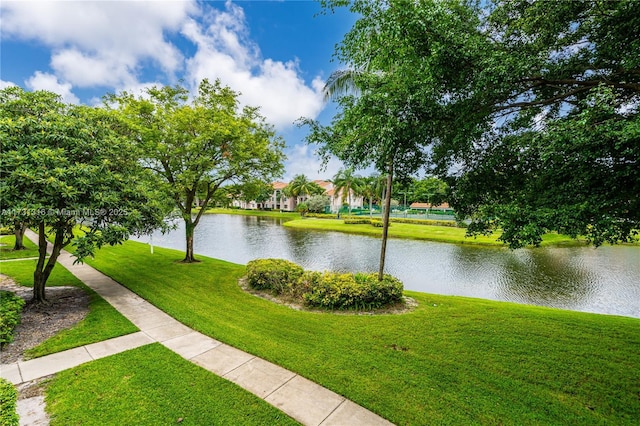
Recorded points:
430,190
303,208
63,166
568,153
579,177
496,81
396,108
15,105
202,145
317,203
504,73
375,128
256,190
386,121
263,192
371,187
225,195
346,183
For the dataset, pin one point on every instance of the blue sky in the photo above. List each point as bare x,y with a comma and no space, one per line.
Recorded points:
276,53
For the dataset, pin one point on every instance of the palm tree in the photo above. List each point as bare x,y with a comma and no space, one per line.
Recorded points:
371,188
301,186
346,182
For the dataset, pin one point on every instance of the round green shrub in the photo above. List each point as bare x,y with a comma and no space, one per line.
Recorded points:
8,398
353,291
305,283
278,275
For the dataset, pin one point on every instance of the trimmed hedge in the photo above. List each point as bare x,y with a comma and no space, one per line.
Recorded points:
273,274
323,215
8,399
327,290
354,220
425,222
357,221
10,310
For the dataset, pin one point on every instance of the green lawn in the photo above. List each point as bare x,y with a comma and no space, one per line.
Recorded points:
447,234
101,323
453,360
7,251
152,386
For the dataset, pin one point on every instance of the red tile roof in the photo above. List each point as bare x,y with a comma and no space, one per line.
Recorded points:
429,206
279,185
324,183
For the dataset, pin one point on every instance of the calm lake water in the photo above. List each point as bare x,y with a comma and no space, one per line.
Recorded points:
603,280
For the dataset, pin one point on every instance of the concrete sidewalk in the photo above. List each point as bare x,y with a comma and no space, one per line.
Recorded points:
305,401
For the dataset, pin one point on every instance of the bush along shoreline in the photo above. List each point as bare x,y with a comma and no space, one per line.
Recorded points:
324,290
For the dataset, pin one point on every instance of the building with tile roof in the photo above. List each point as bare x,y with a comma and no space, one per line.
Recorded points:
279,201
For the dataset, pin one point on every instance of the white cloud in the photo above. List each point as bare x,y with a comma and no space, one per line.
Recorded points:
100,43
88,70
226,52
113,44
5,84
302,160
44,81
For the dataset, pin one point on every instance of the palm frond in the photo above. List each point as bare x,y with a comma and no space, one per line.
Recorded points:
339,83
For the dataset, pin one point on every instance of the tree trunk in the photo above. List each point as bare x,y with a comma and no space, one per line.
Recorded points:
190,223
43,270
18,230
385,222
189,227
370,209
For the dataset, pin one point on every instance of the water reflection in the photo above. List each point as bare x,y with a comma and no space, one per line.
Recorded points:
545,277
604,280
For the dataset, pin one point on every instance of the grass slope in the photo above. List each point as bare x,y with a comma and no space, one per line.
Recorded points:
453,360
265,213
447,234
101,323
152,386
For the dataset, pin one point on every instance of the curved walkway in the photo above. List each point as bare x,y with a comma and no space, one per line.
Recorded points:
305,401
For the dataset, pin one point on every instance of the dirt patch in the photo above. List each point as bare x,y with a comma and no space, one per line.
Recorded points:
407,305
64,308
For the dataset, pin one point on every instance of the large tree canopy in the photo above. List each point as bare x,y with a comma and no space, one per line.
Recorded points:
197,147
395,114
64,165
529,110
